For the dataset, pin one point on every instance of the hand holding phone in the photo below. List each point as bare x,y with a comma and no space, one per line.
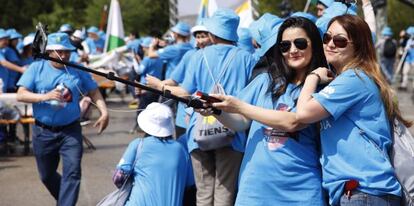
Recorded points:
204,96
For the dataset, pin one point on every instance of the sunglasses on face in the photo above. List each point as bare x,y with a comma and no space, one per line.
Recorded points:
300,43
339,41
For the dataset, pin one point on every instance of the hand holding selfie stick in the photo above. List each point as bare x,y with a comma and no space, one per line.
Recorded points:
39,48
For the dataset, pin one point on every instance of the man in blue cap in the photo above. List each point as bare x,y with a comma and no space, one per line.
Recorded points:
216,169
388,51
172,54
94,43
6,66
55,91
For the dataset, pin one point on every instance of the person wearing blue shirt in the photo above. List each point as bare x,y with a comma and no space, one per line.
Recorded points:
27,57
11,53
5,65
94,43
162,168
409,59
281,160
321,6
216,170
172,54
200,34
55,91
354,110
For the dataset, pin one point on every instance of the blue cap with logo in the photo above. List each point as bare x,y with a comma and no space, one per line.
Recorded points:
93,29
264,31
223,24
3,34
13,34
181,28
59,41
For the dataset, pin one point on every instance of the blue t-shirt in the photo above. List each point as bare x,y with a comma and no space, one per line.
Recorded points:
410,53
182,69
41,77
12,57
284,170
173,54
233,80
74,56
150,66
95,47
4,72
353,97
161,173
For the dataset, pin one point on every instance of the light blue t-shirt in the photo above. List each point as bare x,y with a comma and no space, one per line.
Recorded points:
161,173
74,56
353,97
182,69
95,47
41,77
233,80
173,54
150,66
410,53
284,170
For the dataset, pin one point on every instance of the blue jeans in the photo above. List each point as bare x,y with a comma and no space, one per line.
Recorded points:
363,199
387,67
48,147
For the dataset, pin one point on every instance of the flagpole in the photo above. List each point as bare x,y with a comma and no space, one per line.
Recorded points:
173,12
307,6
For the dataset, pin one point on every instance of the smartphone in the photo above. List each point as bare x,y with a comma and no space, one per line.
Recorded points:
204,96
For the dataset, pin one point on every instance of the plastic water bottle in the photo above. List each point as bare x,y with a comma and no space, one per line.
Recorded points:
58,103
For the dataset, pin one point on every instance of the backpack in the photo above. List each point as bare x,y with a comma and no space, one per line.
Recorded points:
389,49
209,133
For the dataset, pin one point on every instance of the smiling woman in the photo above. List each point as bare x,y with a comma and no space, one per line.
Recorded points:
355,169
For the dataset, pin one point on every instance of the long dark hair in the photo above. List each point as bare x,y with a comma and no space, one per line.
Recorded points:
278,70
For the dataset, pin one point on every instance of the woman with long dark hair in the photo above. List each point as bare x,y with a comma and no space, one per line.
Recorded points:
280,165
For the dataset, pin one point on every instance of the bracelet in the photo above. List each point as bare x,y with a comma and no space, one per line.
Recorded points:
317,75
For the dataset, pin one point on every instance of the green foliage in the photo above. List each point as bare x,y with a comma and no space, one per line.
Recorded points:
400,16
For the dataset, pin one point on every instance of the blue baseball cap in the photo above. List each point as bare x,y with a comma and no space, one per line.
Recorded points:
245,40
264,31
146,42
66,28
93,29
181,28
410,30
223,24
326,3
3,34
305,15
13,34
387,31
59,41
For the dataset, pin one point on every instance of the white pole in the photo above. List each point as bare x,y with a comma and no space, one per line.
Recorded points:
307,6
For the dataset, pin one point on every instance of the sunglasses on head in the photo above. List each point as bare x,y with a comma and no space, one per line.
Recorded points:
300,43
339,41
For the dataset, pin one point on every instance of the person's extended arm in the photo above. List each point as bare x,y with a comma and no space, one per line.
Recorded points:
155,83
309,110
12,66
24,95
369,15
103,120
245,112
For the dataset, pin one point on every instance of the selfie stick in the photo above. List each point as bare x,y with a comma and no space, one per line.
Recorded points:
39,48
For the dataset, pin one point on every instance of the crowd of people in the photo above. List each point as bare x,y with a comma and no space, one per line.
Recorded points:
294,94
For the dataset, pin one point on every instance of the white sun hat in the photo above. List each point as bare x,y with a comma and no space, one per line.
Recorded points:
157,120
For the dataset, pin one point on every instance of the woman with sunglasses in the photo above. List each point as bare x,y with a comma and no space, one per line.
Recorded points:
354,110
281,155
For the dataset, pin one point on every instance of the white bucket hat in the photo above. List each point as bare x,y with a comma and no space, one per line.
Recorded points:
157,120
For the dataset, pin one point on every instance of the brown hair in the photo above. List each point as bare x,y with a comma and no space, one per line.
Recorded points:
365,59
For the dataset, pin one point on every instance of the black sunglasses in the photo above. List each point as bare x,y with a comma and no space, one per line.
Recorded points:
339,41
300,43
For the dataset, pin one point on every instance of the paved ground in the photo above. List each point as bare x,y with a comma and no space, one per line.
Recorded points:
20,185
